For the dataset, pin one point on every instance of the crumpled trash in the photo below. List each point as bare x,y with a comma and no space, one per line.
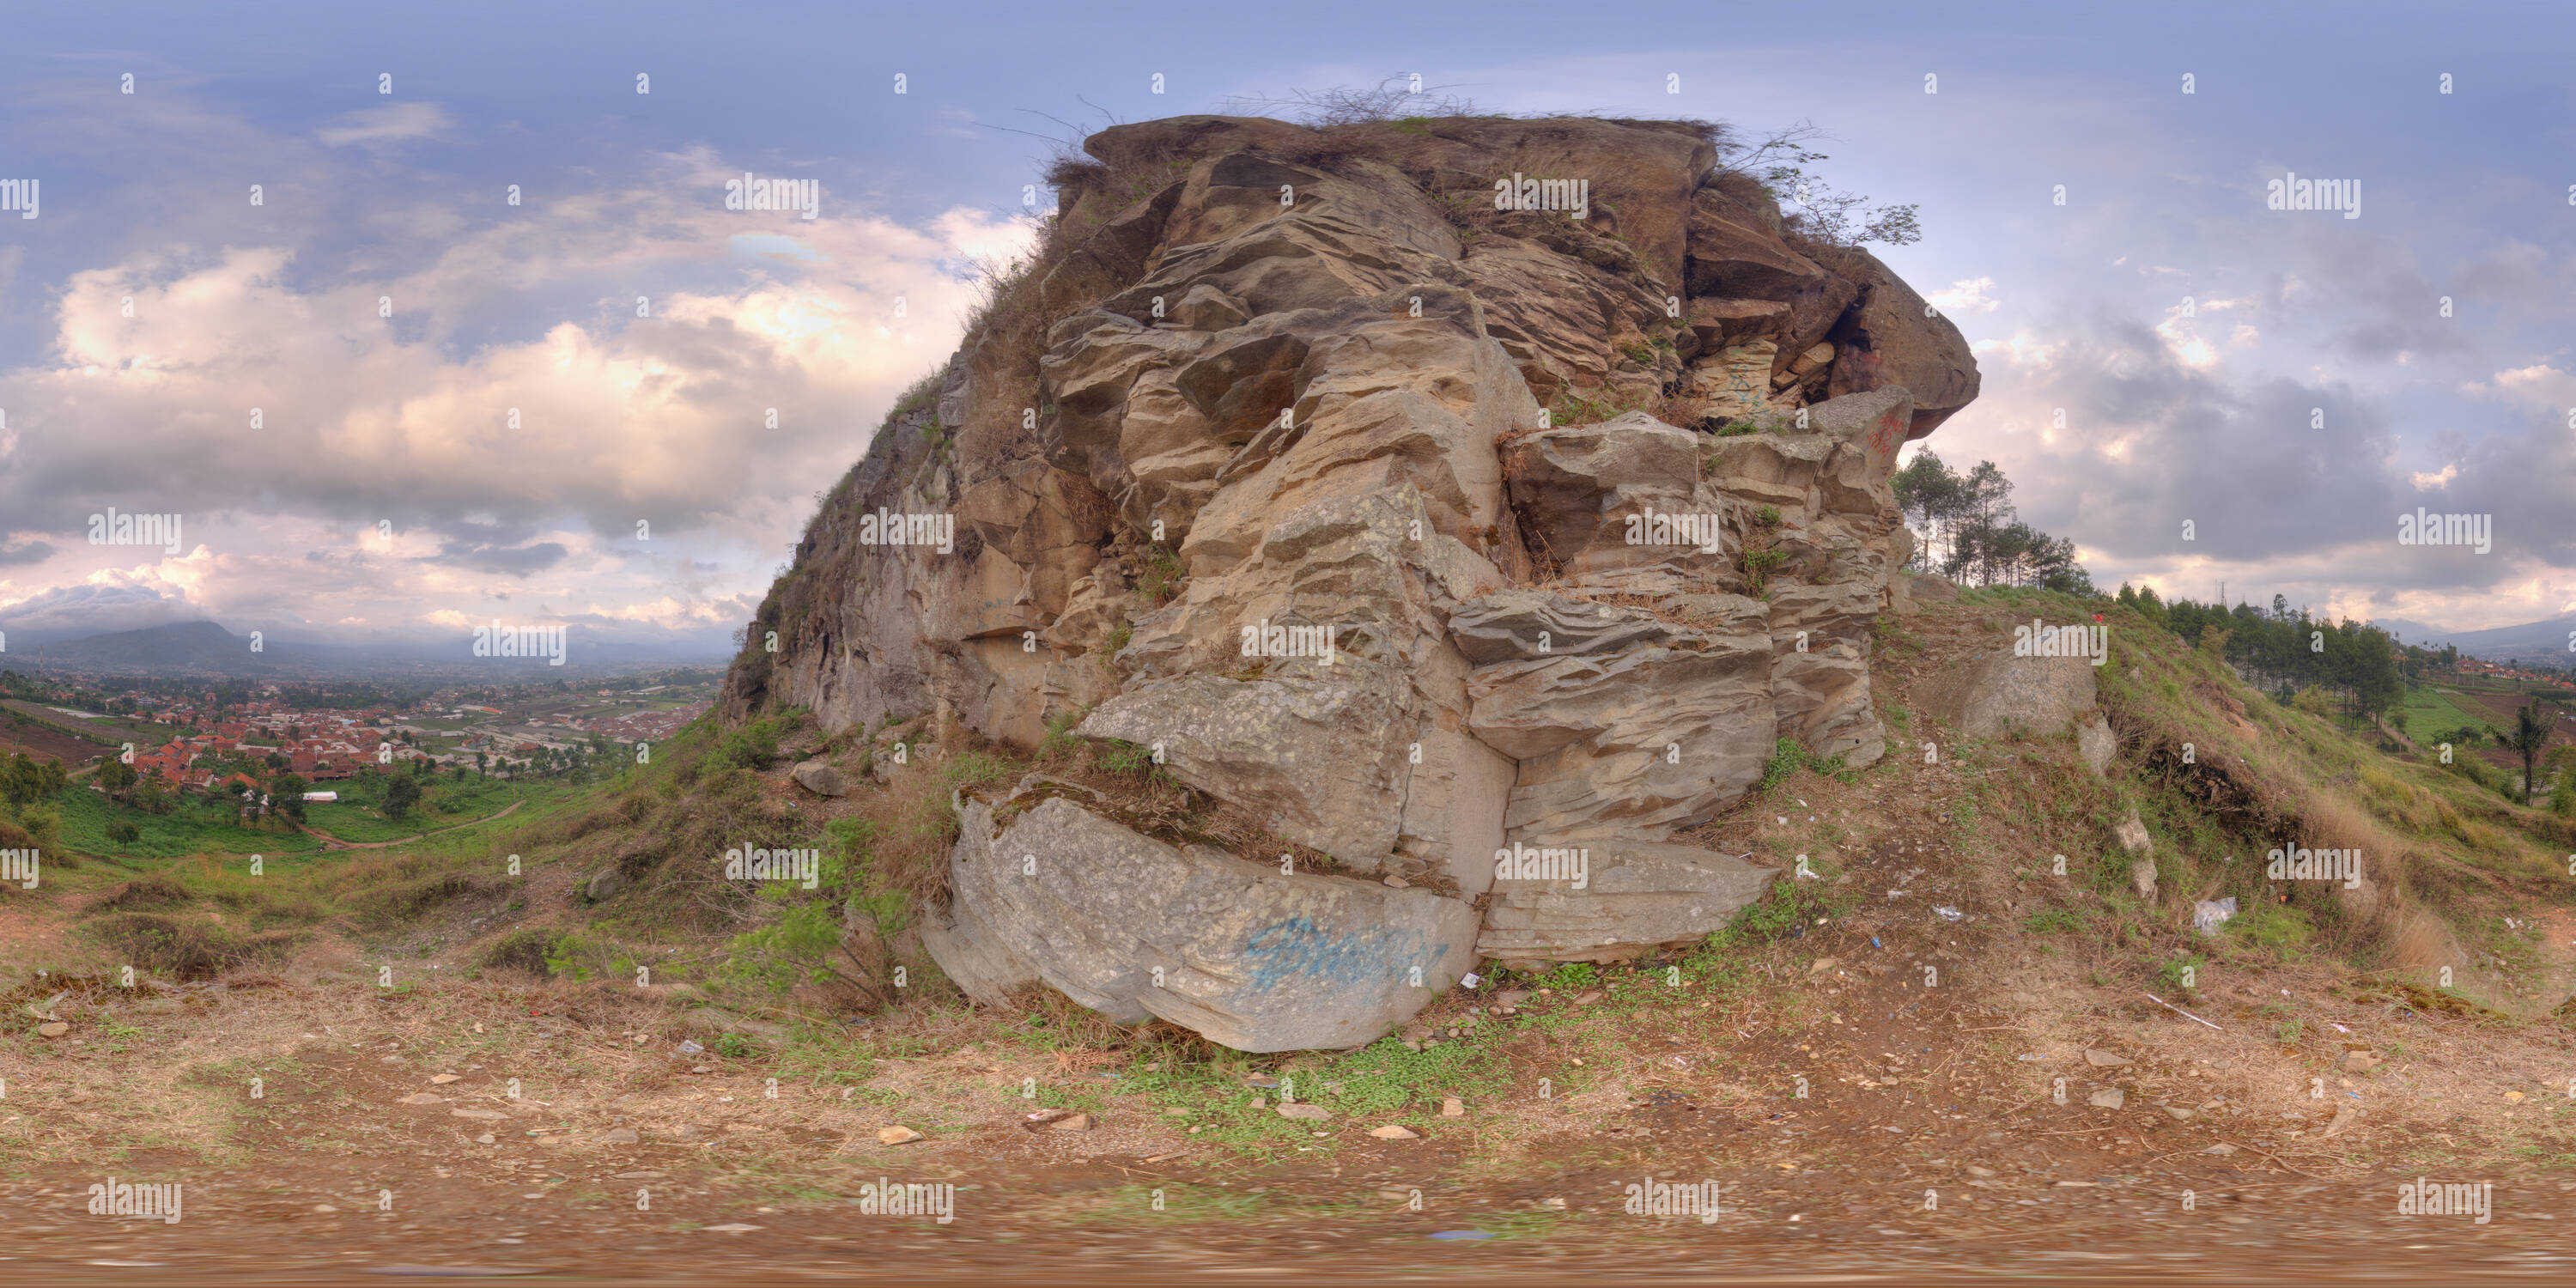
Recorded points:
2210,914
1470,980
1949,913
690,1048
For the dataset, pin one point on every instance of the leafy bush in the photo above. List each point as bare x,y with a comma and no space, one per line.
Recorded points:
573,955
753,746
797,950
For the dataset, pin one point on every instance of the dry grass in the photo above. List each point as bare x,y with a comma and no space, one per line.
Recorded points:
188,948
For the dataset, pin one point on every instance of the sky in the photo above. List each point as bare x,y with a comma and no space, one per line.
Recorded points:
487,346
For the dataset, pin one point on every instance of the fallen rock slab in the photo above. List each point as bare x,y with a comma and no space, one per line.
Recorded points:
1632,897
1137,928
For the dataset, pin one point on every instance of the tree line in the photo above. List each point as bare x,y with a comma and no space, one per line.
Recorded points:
1967,530
2285,650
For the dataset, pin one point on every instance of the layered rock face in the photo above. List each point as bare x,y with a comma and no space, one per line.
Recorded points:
1286,502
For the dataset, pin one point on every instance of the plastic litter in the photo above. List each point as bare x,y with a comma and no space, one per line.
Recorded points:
2210,914
1949,913
690,1048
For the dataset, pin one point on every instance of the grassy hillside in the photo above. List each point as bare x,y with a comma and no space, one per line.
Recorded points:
2454,874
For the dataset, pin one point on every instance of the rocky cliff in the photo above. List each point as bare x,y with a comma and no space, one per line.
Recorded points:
1479,553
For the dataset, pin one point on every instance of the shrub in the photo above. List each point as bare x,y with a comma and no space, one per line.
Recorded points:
156,890
2276,928
753,746
2182,974
522,950
1162,575
187,949
799,949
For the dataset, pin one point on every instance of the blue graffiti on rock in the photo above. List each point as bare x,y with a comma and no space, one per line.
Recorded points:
1296,949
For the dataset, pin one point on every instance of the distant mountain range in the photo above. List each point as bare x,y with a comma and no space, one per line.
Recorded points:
2529,642
205,647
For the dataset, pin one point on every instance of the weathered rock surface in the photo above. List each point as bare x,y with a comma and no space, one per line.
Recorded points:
1635,897
1638,727
820,778
1137,928
1253,470
2040,695
2095,742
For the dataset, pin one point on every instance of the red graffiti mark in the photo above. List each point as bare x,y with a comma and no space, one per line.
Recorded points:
1889,434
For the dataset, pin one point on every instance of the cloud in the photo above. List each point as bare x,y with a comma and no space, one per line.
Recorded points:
515,560
13,554
99,604
2539,386
1968,297
392,123
514,419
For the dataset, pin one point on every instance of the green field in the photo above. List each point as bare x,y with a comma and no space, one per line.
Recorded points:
2427,712
197,826
356,816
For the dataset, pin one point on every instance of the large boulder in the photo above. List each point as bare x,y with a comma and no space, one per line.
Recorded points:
1891,337
1138,928
1998,691
820,778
